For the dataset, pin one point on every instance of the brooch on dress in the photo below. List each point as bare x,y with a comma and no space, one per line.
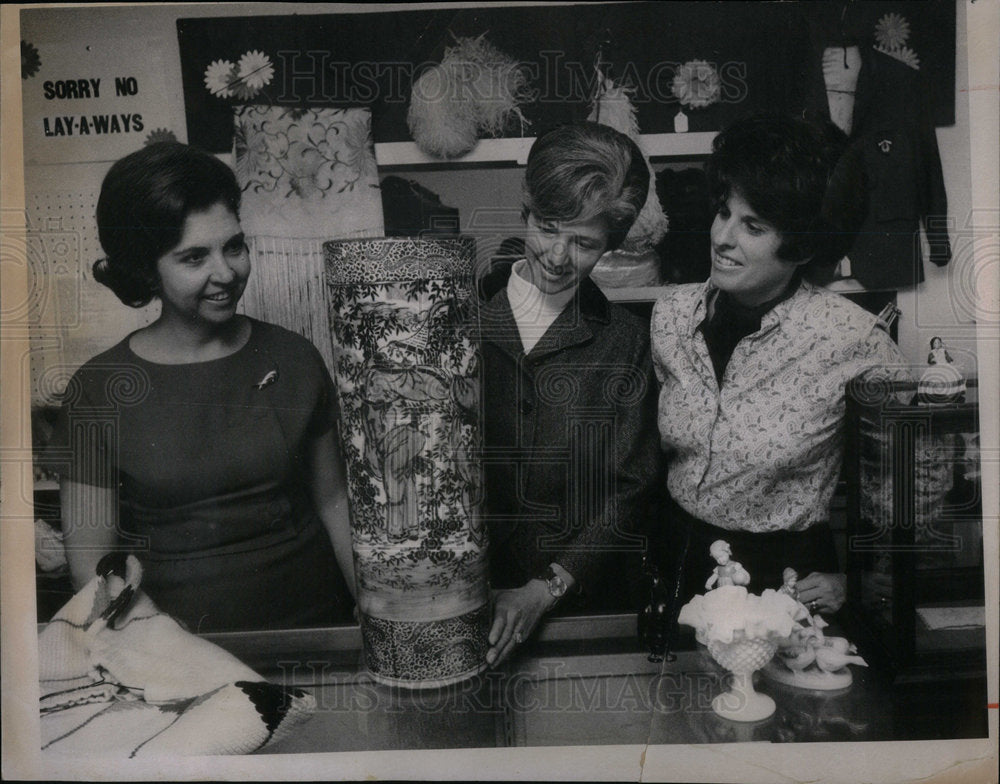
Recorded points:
269,378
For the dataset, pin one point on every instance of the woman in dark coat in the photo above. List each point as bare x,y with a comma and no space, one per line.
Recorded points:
571,454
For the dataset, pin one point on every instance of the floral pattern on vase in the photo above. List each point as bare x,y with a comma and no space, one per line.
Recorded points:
407,370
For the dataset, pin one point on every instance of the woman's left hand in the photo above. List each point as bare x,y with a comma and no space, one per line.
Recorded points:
516,612
823,592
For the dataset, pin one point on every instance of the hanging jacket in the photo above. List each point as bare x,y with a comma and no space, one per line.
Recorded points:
894,129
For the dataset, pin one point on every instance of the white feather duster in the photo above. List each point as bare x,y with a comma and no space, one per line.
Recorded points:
474,91
496,82
613,107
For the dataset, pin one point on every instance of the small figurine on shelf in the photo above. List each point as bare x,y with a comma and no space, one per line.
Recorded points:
942,381
728,572
939,354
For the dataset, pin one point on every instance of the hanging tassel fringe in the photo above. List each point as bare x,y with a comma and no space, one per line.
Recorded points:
287,285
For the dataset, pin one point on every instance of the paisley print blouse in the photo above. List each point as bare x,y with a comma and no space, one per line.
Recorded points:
763,452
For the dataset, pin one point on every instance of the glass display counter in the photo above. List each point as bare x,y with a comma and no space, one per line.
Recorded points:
582,681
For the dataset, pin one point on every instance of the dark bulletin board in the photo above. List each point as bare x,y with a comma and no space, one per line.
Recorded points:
765,52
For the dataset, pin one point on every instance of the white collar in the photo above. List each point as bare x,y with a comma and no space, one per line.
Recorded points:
533,309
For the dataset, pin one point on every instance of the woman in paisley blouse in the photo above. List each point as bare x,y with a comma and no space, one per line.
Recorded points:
753,363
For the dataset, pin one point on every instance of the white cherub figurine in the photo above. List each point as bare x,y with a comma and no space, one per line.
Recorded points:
728,572
790,580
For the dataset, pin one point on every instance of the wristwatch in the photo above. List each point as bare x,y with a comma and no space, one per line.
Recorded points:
557,585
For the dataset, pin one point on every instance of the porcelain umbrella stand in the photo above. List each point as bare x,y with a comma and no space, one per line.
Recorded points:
407,368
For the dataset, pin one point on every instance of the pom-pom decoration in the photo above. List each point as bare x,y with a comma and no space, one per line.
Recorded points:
159,135
218,77
892,31
475,90
255,70
441,117
496,82
696,84
613,107
242,80
904,54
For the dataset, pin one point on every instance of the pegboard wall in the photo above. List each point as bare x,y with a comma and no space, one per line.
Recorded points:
64,223
74,317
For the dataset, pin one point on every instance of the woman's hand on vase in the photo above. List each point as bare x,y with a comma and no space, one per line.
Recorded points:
516,612
823,592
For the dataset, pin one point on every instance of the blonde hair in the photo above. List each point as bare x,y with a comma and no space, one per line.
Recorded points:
584,171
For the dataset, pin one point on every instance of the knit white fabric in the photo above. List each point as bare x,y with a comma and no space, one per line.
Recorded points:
841,66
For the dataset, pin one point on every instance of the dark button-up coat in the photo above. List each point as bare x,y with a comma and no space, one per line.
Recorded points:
572,457
893,128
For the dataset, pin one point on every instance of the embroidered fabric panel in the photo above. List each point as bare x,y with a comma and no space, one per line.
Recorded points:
308,175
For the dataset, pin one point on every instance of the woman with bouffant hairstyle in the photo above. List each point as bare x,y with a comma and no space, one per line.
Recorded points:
569,396
203,442
753,363
586,170
145,199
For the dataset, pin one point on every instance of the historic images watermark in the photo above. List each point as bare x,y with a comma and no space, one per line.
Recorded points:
316,75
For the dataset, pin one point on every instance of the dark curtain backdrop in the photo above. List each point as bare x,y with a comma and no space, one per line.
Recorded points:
762,51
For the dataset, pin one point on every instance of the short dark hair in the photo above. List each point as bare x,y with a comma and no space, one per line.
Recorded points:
145,200
583,171
800,175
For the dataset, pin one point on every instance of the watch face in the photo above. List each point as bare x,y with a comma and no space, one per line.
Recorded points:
557,586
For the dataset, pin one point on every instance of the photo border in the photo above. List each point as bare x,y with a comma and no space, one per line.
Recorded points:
954,760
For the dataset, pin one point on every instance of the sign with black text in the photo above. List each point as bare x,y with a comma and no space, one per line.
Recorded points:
85,103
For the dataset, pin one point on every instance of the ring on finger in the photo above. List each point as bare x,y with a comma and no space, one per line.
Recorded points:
813,606
518,638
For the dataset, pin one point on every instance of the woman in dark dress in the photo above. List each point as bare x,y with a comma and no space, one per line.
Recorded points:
204,442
